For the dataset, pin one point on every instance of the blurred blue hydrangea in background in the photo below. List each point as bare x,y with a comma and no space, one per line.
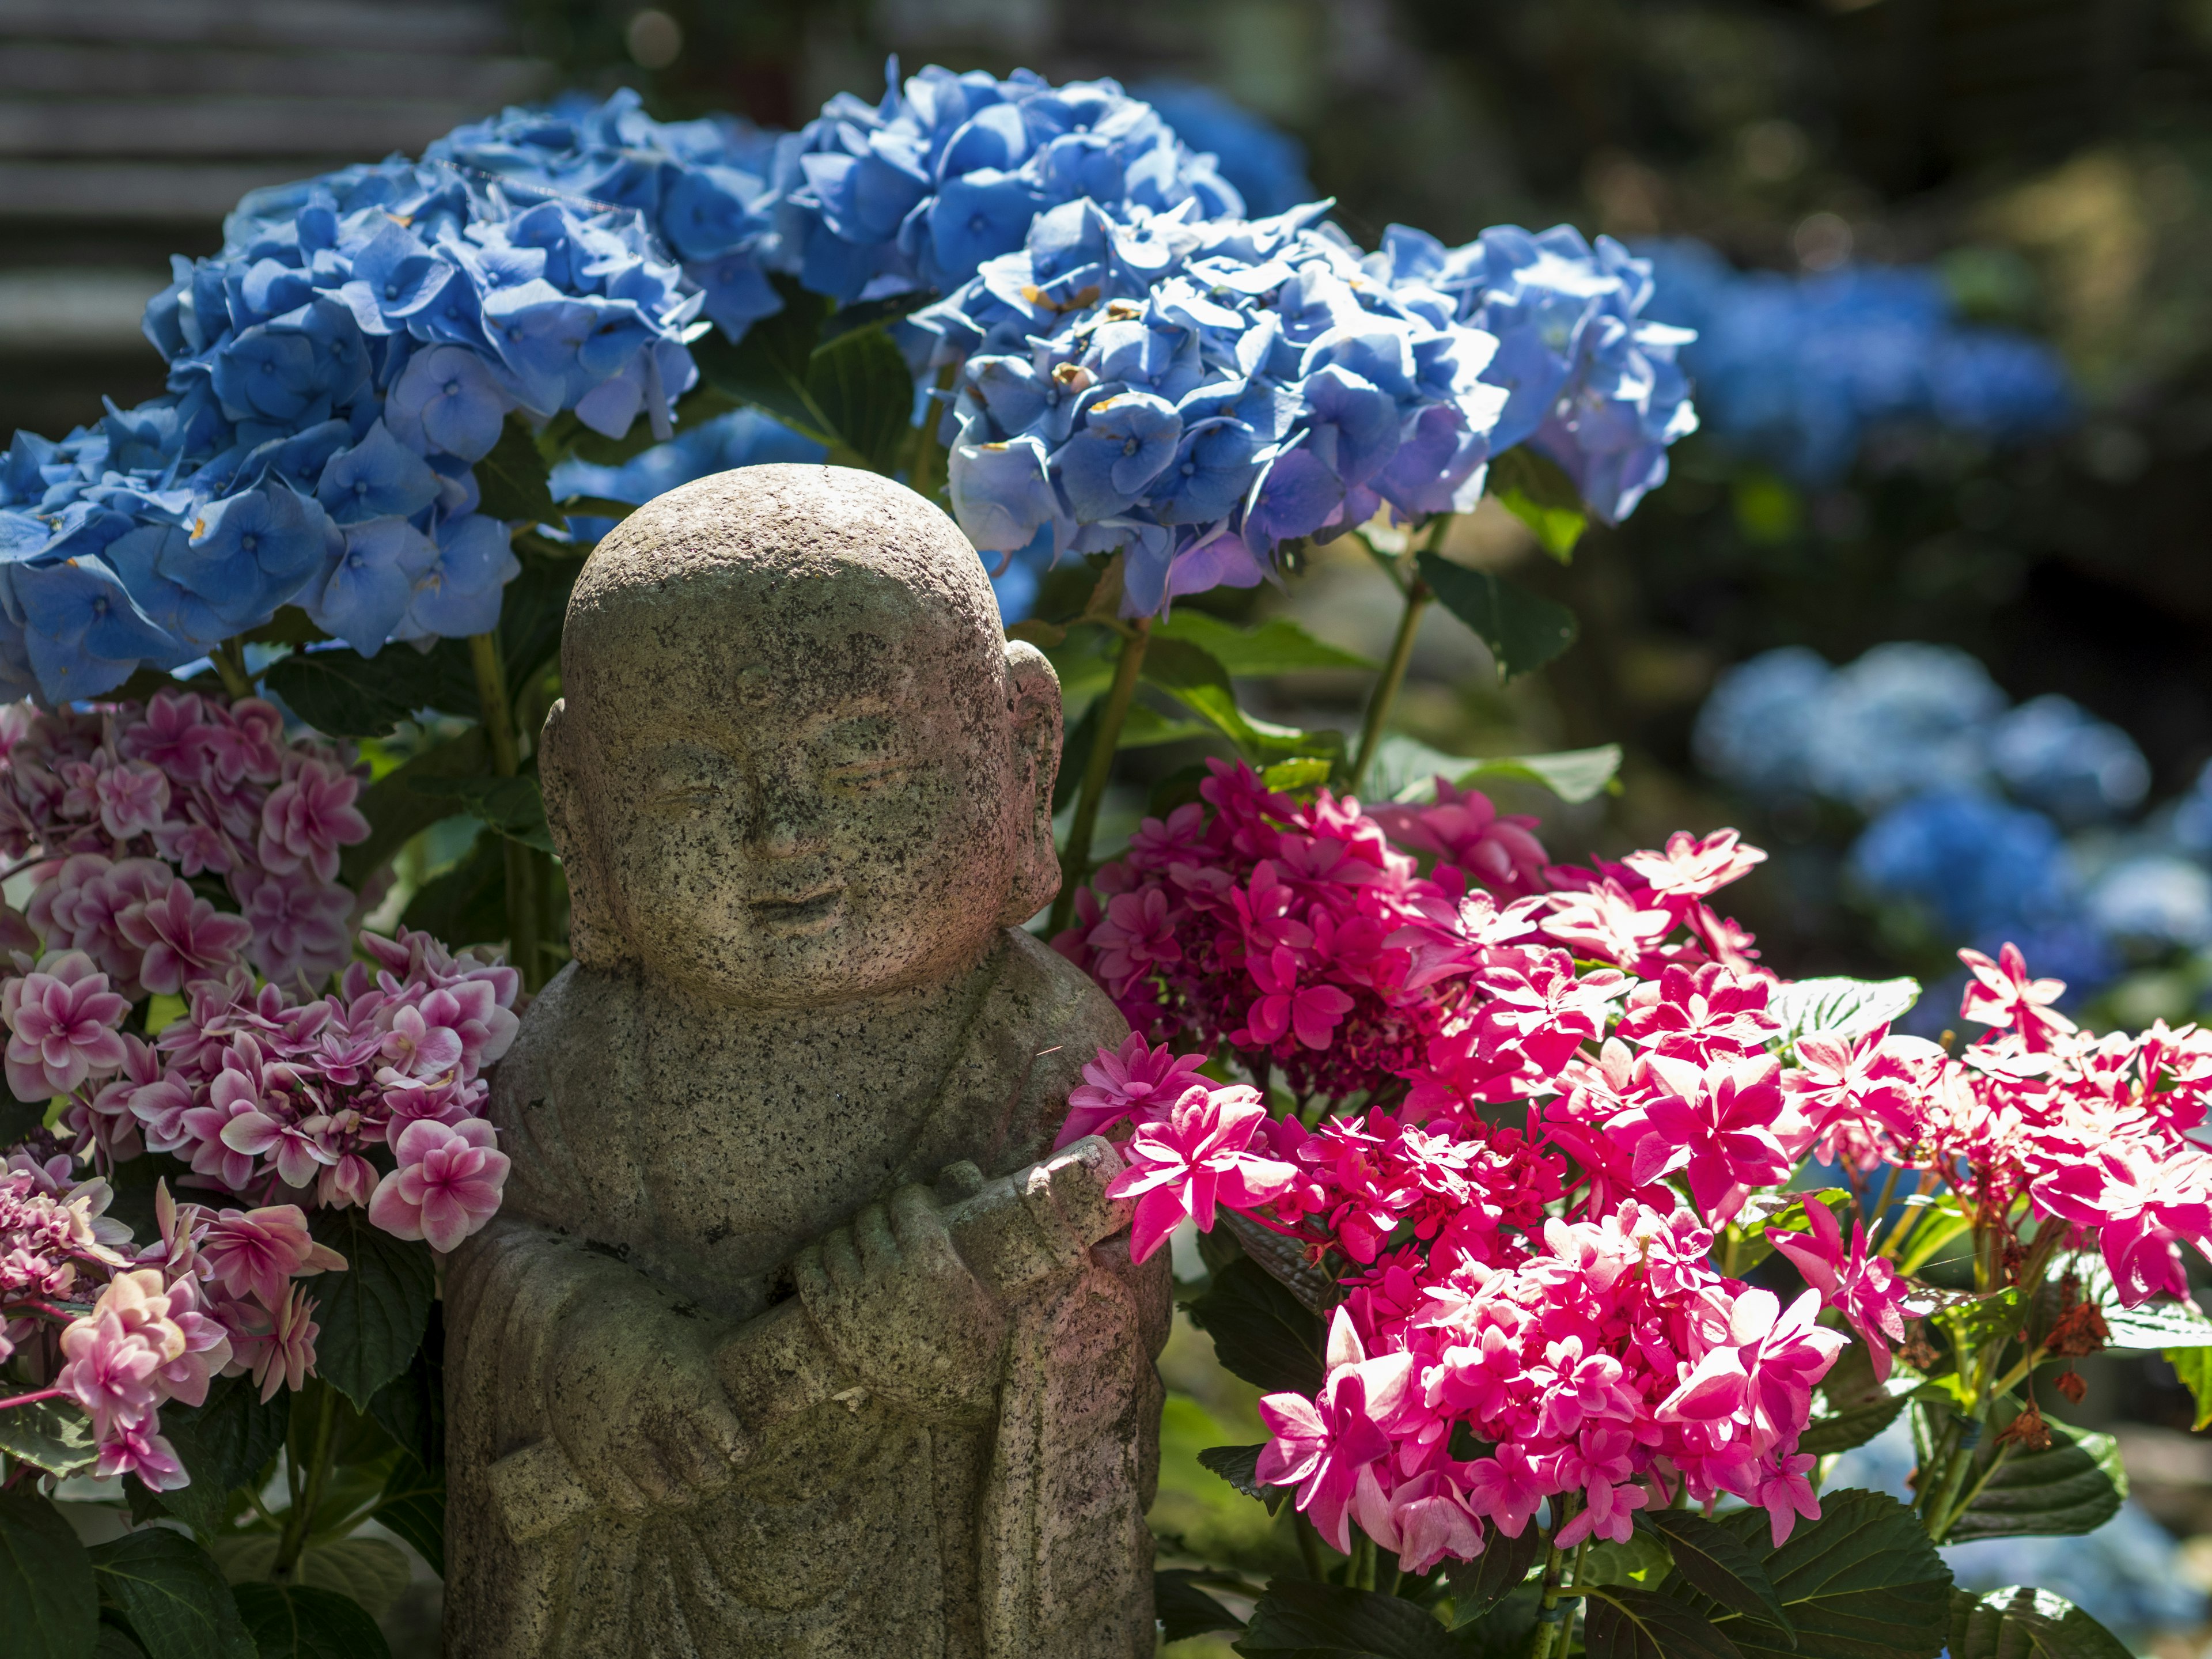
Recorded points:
1267,167
1797,371
1993,822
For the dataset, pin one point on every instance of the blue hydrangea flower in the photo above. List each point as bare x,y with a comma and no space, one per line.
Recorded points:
1755,730
1265,166
458,593
1903,719
2053,754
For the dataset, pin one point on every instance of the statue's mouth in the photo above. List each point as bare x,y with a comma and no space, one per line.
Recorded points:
806,913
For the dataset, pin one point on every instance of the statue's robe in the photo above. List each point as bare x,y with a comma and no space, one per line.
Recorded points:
854,1529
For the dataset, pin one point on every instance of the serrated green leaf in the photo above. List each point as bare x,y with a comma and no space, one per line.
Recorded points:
115,1642
1302,773
49,1435
531,608
172,1595
769,368
371,1572
294,1621
413,1505
865,391
2074,1487
466,905
1717,1563
411,1408
1848,1008
1184,1610
1194,678
512,482
1850,1407
1983,1319
1523,630
223,1443
2162,1322
513,806
2193,1365
1502,1631
1481,1584
1277,646
1146,727
398,811
1261,1332
343,694
1406,770
1240,1466
1537,491
1305,1618
2020,1622
1863,1582
373,1314
49,1602
1618,1623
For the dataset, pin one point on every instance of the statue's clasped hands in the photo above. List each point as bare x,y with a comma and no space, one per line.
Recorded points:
903,1313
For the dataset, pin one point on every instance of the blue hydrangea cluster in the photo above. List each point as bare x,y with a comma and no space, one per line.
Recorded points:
334,373
1797,371
1592,383
1198,393
1265,166
1999,821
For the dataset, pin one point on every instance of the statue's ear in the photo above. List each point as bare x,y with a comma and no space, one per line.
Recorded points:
1033,700
594,939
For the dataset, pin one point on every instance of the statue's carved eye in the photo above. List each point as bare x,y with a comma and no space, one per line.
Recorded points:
866,776
694,795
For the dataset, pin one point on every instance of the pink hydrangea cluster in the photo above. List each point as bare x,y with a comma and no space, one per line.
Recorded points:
125,806
1570,1081
120,1333
277,1087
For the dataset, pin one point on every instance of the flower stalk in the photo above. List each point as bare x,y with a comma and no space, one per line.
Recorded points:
1393,677
307,1496
498,711
229,662
1098,766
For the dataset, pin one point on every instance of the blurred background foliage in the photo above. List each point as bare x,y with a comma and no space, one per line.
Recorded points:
2032,768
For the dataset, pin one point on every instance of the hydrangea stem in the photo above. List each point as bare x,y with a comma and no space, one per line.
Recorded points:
308,1496
506,760
229,660
1552,1614
1075,859
1393,678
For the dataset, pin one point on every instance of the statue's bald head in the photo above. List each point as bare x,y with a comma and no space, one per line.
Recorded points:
795,750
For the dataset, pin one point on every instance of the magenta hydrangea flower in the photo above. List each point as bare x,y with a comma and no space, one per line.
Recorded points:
308,817
1200,1156
64,1026
1139,1082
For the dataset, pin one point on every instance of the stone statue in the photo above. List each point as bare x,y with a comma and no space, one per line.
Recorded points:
758,1359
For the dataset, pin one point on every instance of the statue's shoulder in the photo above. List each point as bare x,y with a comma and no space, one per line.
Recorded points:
572,1038
1050,1018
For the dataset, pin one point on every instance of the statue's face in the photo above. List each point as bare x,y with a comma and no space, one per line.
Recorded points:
802,799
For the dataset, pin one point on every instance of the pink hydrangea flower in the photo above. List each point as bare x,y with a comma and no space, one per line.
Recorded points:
1328,1447
299,926
1181,1168
184,937
64,1026
277,1348
1140,1082
308,817
257,1252
134,800
447,1184
1866,1289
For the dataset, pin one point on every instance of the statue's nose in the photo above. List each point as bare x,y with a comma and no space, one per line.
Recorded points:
788,820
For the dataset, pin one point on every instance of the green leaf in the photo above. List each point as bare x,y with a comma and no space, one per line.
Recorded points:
343,694
1618,1623
48,1435
49,1604
1863,1582
861,383
1277,646
115,1642
1716,1563
530,611
1848,1008
1302,773
768,367
1184,1610
1504,1631
413,1504
1977,1319
2023,1623
2163,1322
412,1405
223,1443
1146,727
172,1595
1261,1332
2074,1487
1240,1466
2193,1365
1850,1407
467,904
1406,770
513,806
1302,1617
1483,1584
372,1314
1536,491
292,1621
1194,678
398,811
371,1572
1522,631
512,482
18,1118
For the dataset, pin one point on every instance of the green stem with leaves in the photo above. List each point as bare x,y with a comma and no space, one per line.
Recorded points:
1552,1613
1113,710
308,1495
1393,678
229,661
498,713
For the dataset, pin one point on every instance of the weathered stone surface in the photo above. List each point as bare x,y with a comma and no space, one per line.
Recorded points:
757,1360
